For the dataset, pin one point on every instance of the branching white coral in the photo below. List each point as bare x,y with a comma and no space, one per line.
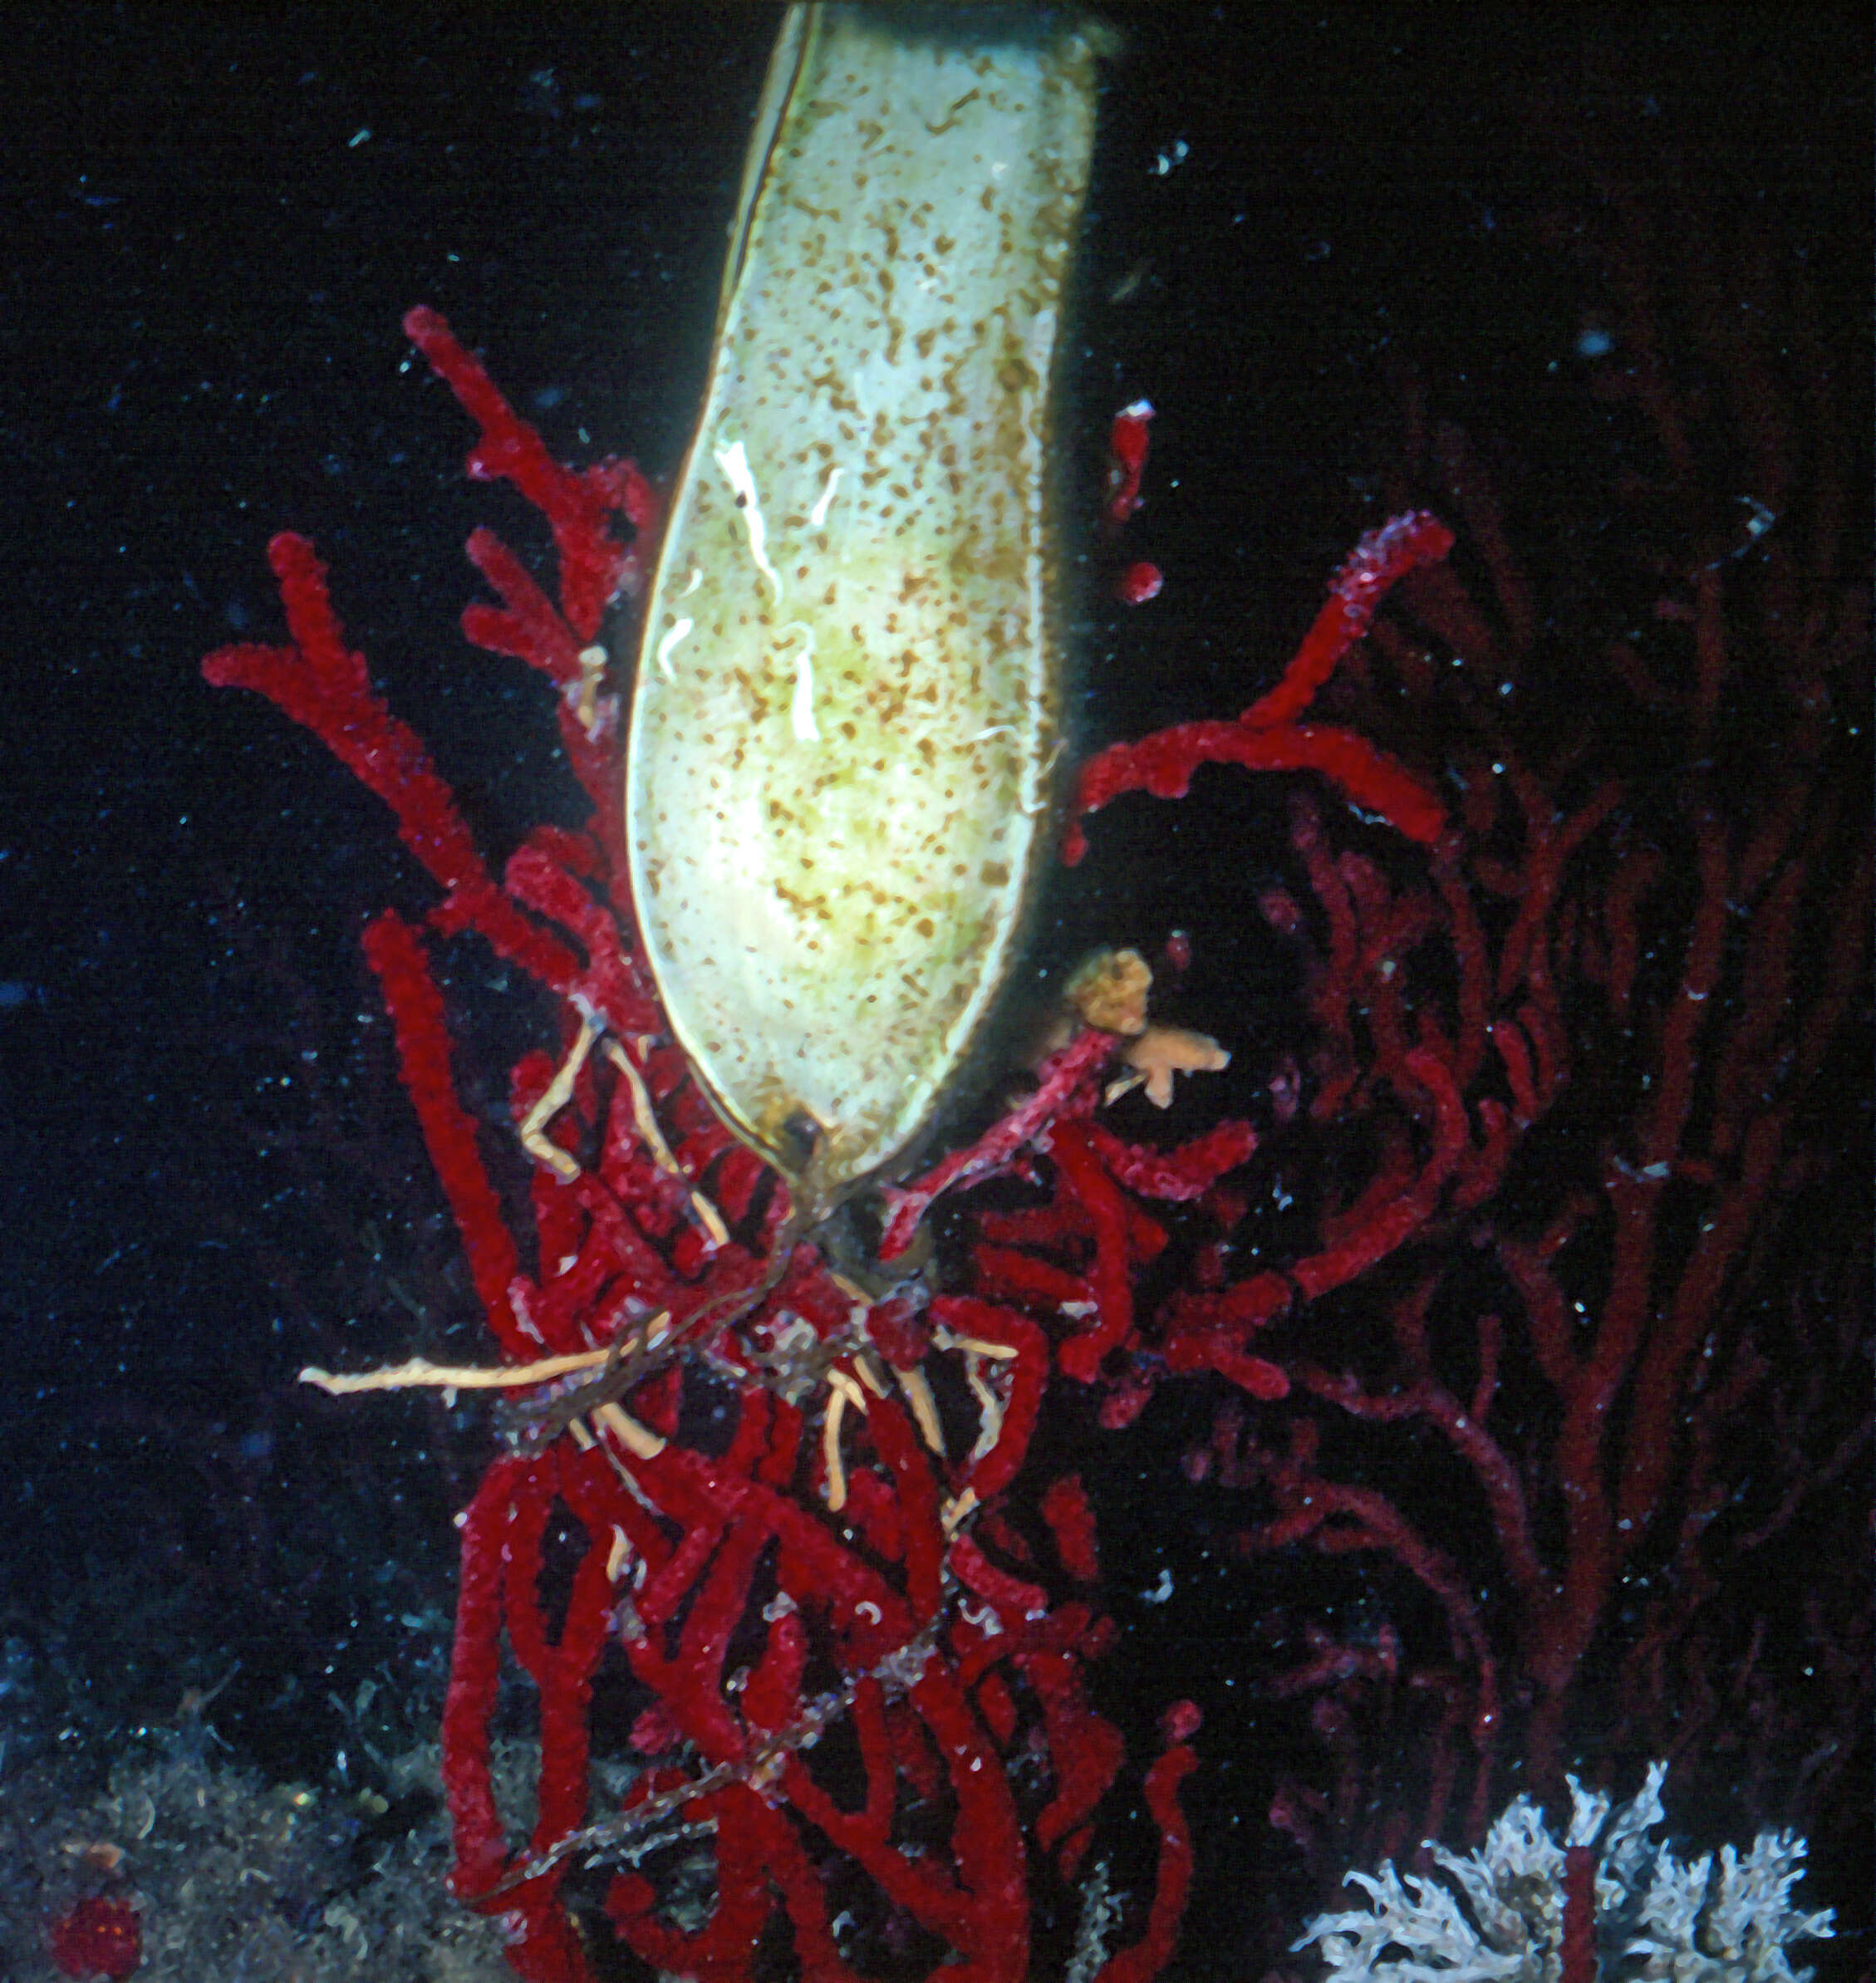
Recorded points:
1499,1915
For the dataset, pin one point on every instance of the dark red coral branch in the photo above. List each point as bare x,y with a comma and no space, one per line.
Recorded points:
1268,737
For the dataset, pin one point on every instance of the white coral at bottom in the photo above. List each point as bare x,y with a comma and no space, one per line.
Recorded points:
1501,1918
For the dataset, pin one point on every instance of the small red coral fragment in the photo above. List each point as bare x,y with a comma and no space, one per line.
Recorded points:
1071,1520
654,1732
98,1937
1127,444
1138,583
1179,1722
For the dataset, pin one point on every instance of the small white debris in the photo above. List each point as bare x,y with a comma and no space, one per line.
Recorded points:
668,642
734,462
819,515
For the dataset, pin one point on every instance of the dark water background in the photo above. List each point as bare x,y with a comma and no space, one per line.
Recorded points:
216,218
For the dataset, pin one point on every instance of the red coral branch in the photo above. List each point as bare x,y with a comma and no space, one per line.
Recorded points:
422,1033
578,504
1268,737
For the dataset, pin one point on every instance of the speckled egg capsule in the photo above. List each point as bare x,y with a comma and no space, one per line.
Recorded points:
846,716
